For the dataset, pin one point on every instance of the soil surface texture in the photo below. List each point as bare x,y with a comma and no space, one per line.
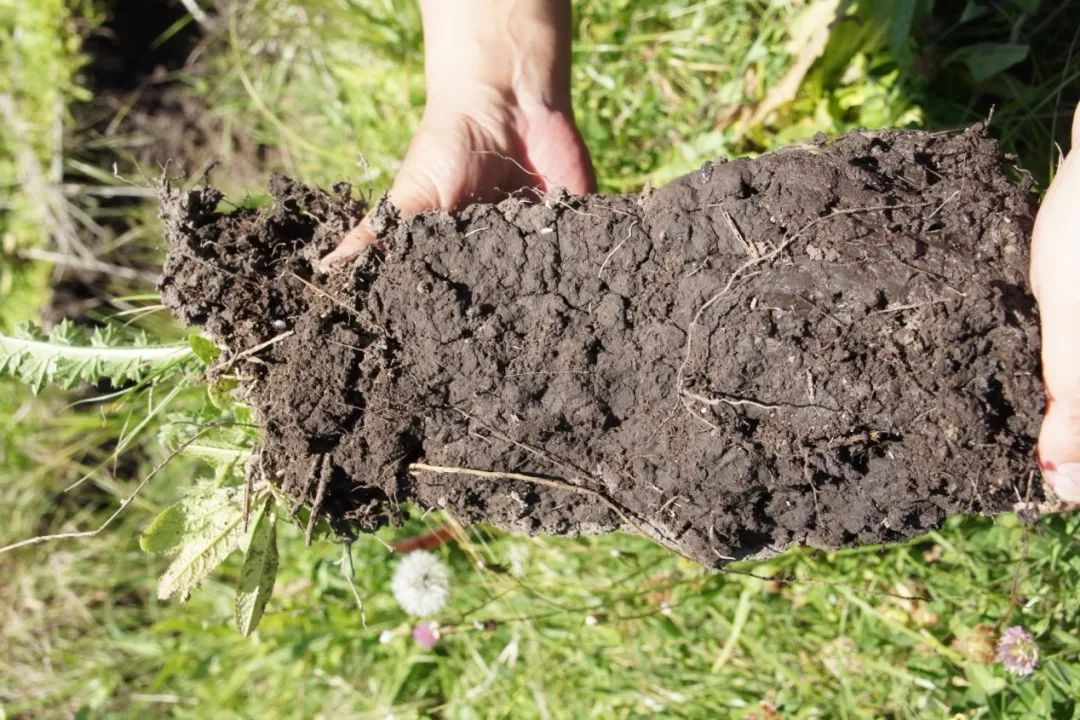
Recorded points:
829,345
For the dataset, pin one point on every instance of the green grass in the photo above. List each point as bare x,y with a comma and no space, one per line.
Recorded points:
37,58
333,88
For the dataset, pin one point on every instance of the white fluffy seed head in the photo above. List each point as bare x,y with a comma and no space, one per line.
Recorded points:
421,583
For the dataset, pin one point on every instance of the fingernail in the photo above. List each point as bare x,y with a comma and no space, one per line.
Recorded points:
1065,480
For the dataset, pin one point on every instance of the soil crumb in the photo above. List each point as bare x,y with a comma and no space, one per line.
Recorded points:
830,345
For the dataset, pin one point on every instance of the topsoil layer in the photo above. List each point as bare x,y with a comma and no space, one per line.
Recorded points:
830,345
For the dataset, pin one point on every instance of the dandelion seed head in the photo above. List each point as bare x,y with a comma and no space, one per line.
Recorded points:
421,583
1017,651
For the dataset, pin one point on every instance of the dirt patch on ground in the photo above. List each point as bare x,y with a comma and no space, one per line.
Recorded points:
141,118
144,114
830,345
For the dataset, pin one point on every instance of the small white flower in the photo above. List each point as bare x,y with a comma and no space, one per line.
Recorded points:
421,583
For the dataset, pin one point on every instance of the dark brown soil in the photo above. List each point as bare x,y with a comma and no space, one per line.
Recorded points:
830,345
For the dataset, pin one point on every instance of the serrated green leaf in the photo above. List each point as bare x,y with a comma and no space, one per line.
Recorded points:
214,527
66,333
166,532
70,355
185,518
230,443
256,582
205,350
220,393
217,454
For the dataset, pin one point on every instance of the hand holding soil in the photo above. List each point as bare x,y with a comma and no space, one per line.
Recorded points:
499,120
831,345
498,117
1055,276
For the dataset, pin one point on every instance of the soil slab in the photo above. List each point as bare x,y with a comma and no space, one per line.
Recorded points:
831,345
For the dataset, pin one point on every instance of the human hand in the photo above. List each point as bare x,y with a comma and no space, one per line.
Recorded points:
1055,277
481,154
498,117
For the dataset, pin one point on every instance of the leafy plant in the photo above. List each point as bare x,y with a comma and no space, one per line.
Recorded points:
204,529
226,449
210,523
69,355
257,575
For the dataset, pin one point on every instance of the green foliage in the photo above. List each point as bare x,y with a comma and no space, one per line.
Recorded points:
222,438
201,531
668,639
69,355
1020,58
859,79
985,60
22,285
167,532
290,79
257,574
205,350
39,60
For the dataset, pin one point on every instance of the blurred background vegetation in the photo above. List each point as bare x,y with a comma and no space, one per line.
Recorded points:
98,96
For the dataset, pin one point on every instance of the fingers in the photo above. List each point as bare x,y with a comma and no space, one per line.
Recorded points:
350,246
585,180
407,200
1059,441
455,159
559,155
580,179
1055,278
573,169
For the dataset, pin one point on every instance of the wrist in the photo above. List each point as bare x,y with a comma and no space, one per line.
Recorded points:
497,53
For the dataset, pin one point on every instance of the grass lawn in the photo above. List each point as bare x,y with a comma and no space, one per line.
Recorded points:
605,627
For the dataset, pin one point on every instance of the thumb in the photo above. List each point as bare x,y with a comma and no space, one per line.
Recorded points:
1059,440
408,201
1056,280
350,246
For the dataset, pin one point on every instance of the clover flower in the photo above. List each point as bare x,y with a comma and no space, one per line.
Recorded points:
1017,651
426,635
421,584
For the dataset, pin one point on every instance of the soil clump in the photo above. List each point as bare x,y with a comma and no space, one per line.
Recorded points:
830,345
